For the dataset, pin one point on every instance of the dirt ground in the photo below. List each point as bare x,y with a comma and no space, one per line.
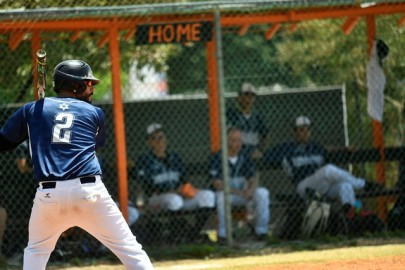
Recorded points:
385,263
380,263
369,257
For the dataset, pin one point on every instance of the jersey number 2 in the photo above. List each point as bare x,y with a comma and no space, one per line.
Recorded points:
62,130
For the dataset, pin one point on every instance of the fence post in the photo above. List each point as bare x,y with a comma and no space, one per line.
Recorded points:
224,140
119,123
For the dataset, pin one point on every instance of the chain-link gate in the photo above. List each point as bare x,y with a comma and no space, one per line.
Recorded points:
290,75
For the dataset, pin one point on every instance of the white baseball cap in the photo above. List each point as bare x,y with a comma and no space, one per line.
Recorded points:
247,88
152,128
302,120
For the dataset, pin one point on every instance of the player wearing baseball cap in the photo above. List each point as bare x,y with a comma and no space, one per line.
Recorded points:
248,119
63,133
163,177
303,160
243,185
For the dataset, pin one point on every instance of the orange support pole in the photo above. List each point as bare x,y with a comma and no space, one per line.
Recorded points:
119,124
349,25
130,34
378,140
103,40
272,31
213,97
401,21
35,46
293,27
242,31
75,36
15,40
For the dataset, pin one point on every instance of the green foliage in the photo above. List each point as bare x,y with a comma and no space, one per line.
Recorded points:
316,53
15,4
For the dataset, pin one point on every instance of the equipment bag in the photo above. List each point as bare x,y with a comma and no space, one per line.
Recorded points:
316,218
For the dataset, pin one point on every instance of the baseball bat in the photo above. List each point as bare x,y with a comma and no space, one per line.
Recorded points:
41,73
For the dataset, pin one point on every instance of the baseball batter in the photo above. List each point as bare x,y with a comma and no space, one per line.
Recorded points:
64,132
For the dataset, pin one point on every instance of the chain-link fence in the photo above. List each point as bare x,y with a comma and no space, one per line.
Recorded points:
281,74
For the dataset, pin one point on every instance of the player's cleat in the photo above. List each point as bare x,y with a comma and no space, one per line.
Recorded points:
261,237
222,241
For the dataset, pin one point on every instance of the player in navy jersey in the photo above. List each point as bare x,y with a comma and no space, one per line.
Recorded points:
163,176
304,162
243,185
247,118
63,133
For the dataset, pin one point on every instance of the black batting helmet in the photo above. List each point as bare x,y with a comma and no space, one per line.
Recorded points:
71,74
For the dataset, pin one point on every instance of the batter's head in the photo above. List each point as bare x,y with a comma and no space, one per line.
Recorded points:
71,75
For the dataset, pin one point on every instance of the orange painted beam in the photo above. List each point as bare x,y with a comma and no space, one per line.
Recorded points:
65,25
371,33
378,140
242,31
293,27
15,40
401,21
227,19
349,25
272,31
129,34
311,14
213,96
89,24
119,122
75,36
103,40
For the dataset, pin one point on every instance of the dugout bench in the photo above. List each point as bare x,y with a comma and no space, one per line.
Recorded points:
283,198
288,203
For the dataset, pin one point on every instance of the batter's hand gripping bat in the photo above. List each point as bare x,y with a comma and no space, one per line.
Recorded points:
41,73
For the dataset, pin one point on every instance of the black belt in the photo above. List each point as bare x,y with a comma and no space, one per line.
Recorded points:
83,180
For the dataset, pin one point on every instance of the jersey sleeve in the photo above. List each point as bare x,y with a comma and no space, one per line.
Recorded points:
263,128
16,129
231,117
144,177
182,169
249,168
275,155
214,167
101,133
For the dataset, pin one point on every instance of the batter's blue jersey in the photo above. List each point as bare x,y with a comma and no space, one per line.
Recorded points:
239,172
298,161
63,135
160,175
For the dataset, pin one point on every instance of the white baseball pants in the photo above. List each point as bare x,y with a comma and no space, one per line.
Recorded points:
261,203
88,206
333,182
174,202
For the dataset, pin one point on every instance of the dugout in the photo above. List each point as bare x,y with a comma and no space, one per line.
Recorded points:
279,109
120,23
191,139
